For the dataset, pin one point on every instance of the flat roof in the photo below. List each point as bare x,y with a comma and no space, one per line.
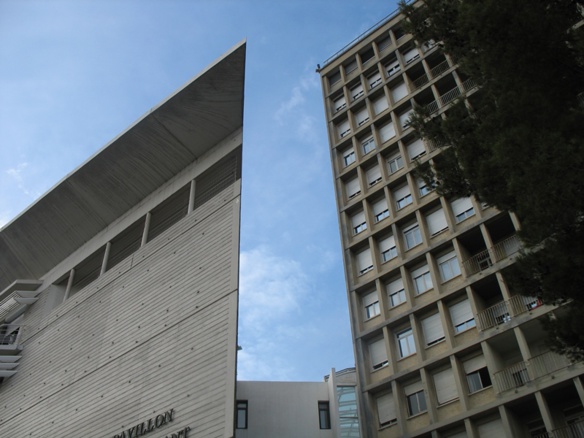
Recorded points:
149,153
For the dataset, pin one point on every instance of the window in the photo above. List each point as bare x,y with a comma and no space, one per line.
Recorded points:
445,386
343,129
373,175
348,157
241,417
415,399
334,78
412,236
368,145
492,429
388,249
416,148
422,279
380,210
432,329
478,380
384,44
462,316
378,354
386,412
357,91
362,116
339,103
424,188
448,265
392,68
348,417
367,56
358,222
364,261
403,197
395,163
462,209
374,80
351,67
411,55
404,119
405,342
399,91
396,292
324,415
386,132
371,305
380,104
436,222
352,188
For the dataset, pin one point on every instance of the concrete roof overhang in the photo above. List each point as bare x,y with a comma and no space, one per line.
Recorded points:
120,175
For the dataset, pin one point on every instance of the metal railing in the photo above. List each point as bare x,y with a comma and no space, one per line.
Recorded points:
542,435
449,96
526,371
469,84
505,311
485,259
432,107
573,430
9,334
422,80
439,69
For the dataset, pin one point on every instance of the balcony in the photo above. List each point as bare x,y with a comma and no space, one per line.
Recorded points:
419,82
439,69
485,259
573,430
449,96
505,311
9,336
524,372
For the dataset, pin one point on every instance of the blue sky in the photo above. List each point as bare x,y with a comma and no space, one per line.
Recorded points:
74,74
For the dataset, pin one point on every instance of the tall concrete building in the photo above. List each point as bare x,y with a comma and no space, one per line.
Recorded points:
443,346
119,287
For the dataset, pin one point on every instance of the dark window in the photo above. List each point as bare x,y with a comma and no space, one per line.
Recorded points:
241,417
324,416
478,380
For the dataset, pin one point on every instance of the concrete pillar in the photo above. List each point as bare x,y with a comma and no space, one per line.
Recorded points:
69,284
146,229
507,423
460,381
192,197
108,247
545,411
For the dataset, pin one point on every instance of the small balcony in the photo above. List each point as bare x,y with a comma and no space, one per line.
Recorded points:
9,336
450,95
485,259
505,311
439,69
524,372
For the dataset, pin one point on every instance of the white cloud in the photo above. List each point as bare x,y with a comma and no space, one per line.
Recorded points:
308,82
16,173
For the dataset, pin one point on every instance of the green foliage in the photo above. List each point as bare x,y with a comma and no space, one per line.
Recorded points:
518,142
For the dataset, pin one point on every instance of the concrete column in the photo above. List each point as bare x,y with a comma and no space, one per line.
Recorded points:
430,393
545,411
503,286
146,229
460,379
507,423
69,284
471,431
108,247
446,324
522,342
192,197
579,388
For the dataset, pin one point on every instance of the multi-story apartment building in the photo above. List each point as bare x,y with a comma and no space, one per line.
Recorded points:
119,286
443,346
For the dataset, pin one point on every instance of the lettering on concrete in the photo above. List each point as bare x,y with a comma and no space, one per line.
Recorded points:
152,424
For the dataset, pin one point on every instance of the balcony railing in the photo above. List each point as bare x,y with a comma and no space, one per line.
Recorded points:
449,96
485,259
469,84
439,69
9,335
422,80
432,107
505,311
573,430
527,371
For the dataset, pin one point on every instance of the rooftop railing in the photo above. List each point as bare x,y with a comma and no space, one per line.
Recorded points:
485,259
527,371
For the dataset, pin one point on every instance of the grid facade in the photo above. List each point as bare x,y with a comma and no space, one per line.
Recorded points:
443,346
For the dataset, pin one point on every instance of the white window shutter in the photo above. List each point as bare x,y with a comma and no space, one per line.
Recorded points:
352,187
379,206
384,44
357,91
380,104
373,174
399,92
445,257
358,219
420,271
386,132
461,312
374,80
410,55
492,429
386,411
364,260
340,103
370,298
436,221
461,205
416,148
362,116
432,328
445,386
401,192
413,388
395,286
392,68
343,128
474,364
386,243
404,118
352,66
377,352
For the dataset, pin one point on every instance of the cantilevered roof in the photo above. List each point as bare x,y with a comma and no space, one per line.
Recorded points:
152,151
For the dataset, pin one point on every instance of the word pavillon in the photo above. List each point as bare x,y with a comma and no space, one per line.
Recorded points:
151,425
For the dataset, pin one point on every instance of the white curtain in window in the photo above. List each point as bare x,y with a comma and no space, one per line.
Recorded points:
386,132
379,206
474,364
436,221
377,352
445,386
492,429
343,128
461,205
461,312
340,103
410,55
361,116
380,104
432,328
364,260
413,388
358,219
352,187
386,244
386,408
373,174
416,148
401,192
399,91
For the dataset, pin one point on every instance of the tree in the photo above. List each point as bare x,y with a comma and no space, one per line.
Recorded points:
517,140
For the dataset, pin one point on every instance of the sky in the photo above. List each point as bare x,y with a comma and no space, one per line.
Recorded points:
74,74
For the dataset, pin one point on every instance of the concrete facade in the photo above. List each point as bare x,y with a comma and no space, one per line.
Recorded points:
443,346
120,285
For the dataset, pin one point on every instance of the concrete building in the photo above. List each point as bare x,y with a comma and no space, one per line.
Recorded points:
325,409
119,287
444,348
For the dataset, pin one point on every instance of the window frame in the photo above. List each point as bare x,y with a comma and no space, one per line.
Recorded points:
449,263
480,374
396,161
324,423
420,400
241,406
406,335
412,230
